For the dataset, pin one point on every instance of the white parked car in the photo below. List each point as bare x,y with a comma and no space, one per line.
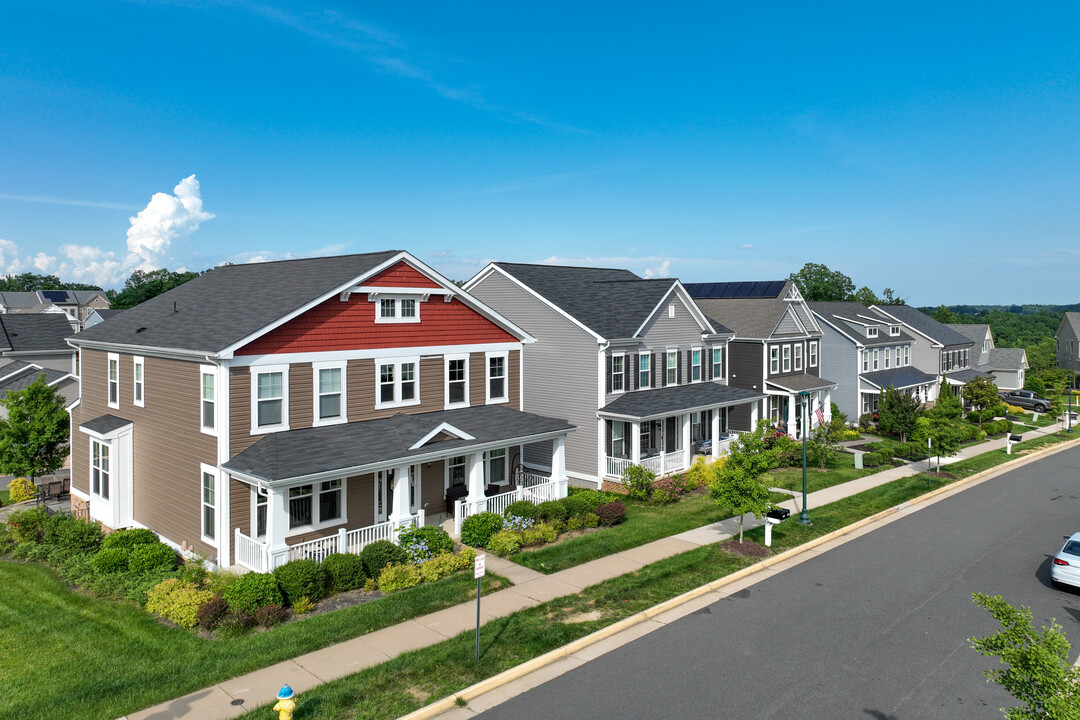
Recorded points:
1065,567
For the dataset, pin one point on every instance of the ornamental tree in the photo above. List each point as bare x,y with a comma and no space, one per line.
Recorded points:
34,436
948,406
818,282
944,435
897,413
1037,671
737,483
823,445
981,392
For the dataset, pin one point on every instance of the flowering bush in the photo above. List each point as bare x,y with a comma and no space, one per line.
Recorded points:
517,523
424,543
669,490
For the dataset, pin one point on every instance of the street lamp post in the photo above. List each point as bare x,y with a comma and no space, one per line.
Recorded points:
1070,405
804,516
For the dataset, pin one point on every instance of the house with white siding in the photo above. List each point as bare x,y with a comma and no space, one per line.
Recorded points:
631,362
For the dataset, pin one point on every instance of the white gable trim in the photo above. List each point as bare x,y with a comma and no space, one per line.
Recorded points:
843,331
444,427
688,303
794,316
933,343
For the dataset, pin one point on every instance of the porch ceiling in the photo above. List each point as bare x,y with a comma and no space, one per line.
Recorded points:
353,448
661,402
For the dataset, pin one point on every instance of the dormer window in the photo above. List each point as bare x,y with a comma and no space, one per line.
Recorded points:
397,309
894,330
871,332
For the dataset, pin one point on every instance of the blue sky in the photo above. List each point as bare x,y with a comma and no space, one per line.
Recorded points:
930,148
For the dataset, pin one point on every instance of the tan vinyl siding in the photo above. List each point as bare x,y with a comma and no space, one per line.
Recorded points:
432,375
477,379
301,396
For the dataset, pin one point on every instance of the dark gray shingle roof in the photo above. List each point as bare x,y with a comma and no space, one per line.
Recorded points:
1073,319
19,299
839,313
660,402
901,377
309,451
228,303
11,381
1006,359
748,317
798,383
966,374
612,303
975,332
104,424
38,332
926,325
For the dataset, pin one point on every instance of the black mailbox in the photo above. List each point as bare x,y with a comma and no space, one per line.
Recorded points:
778,514
1016,438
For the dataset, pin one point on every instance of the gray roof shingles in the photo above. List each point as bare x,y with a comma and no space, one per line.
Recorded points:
838,313
40,332
104,424
660,402
14,382
747,317
901,377
229,303
797,383
926,325
309,451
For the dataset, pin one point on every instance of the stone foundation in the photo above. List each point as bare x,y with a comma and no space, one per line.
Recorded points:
80,508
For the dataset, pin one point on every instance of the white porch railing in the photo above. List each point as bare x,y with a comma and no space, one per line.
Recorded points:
535,489
254,554
662,464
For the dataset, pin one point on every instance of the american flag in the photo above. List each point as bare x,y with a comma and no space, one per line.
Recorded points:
820,416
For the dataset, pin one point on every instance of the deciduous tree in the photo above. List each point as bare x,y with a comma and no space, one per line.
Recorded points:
980,392
34,436
736,482
818,282
142,285
897,413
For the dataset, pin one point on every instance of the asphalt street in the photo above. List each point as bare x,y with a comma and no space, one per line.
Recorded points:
875,628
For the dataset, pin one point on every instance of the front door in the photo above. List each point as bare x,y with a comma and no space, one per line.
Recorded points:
384,492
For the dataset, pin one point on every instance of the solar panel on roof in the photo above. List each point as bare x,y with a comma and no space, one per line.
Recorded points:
55,295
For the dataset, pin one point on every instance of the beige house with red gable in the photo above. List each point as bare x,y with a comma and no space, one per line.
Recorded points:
265,412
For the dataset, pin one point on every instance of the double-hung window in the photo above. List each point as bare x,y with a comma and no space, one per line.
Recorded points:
907,354
397,309
456,471
865,360
496,466
270,398
618,444
671,376
774,359
888,355
812,350
398,382
695,365
330,393
496,379
329,501
316,505
100,471
717,363
875,358
139,391
787,358
896,354
300,507
457,381
209,504
114,380
644,369
207,399
798,357
618,375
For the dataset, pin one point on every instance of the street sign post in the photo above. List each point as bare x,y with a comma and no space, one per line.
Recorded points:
478,572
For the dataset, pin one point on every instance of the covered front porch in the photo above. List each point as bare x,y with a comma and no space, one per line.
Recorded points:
796,399
664,429
314,492
907,380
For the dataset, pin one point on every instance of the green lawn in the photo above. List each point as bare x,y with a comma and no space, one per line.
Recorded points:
840,470
5,496
69,655
993,458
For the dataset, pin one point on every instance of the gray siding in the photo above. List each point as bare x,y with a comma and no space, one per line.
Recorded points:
561,371
787,325
1066,338
840,363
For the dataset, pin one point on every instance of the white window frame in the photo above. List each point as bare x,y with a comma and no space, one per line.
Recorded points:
112,377
786,355
209,471
316,369
717,364
101,474
395,303
898,356
797,360
695,365
907,355
317,521
397,363
489,477
894,330
621,374
865,360
138,376
812,351
446,381
668,356
621,438
871,332
211,371
505,397
774,359
646,372
887,359
875,363
256,371
449,463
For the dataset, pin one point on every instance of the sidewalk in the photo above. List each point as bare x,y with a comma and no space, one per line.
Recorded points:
234,697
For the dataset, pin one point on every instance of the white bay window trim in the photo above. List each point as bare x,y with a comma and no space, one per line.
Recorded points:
138,391
321,391
492,393
113,378
257,371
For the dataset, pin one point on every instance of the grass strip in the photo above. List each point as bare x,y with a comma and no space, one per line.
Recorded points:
993,458
838,471
67,654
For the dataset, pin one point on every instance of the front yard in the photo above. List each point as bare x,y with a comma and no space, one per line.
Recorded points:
840,469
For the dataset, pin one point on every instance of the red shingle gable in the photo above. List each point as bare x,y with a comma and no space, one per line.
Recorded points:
401,274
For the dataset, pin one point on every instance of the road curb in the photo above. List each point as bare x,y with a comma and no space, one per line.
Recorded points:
507,676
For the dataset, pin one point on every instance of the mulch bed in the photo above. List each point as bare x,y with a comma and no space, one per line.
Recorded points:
746,549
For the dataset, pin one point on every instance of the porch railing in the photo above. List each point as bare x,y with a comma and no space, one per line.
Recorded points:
250,552
536,489
661,464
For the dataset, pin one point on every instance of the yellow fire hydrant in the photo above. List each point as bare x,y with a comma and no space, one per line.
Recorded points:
285,703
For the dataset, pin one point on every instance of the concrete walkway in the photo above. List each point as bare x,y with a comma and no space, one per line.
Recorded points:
234,697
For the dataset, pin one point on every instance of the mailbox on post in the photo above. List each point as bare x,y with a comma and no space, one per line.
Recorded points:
774,517
1009,440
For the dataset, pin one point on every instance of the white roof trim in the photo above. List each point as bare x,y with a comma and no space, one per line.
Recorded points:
933,343
837,328
444,427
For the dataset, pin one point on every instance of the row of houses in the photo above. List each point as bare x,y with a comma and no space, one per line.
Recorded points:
266,411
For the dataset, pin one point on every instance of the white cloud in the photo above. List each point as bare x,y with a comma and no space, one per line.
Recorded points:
93,265
44,263
662,270
9,257
165,218
746,246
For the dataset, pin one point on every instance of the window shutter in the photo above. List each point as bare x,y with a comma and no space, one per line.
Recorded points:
656,357
706,361
631,376
610,362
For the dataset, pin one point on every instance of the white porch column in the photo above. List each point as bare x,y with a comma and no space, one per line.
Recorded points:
399,511
635,443
687,449
827,402
558,464
277,520
791,415
475,467
754,414
716,433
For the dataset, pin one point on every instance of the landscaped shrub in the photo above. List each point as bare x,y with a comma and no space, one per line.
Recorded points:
303,606
477,529
591,520
701,472
871,460
211,612
129,538
551,511
236,623
611,513
574,524
252,591
20,490
222,580
270,615
399,577
540,534
439,567
901,451
465,558
521,509
27,525
505,543
7,543
379,554
345,571
194,572
425,542
669,490
593,498
575,505
788,452
916,451
1014,410
639,482
301,578
178,601
151,556
111,560
72,533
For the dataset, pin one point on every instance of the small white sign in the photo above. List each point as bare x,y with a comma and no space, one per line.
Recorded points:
478,566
